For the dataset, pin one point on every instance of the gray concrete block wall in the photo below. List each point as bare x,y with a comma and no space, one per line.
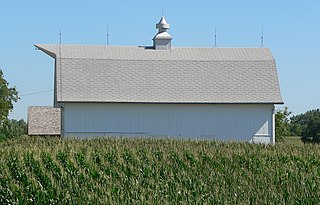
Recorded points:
44,120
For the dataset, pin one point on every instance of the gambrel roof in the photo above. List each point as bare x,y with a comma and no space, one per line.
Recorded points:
179,75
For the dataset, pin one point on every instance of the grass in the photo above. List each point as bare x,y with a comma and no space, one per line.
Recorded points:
292,140
156,171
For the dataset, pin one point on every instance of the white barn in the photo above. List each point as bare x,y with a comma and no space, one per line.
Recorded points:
212,93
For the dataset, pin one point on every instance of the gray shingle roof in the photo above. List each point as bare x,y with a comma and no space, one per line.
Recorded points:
181,75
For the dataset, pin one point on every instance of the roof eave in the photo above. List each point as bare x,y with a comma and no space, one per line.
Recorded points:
49,53
213,103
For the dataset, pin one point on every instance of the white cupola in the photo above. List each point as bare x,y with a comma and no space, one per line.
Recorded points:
162,40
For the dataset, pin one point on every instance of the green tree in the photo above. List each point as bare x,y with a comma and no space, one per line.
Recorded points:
298,124
13,128
8,95
307,125
282,123
311,131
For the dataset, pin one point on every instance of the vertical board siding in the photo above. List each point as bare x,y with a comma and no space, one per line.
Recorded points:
223,122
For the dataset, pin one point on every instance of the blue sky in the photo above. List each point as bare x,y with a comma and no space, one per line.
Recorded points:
291,31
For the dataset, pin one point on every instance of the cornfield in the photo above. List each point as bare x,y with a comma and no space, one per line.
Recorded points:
156,171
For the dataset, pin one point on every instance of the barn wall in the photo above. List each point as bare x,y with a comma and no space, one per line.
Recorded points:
225,122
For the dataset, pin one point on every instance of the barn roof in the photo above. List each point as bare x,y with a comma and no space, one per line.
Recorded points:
179,75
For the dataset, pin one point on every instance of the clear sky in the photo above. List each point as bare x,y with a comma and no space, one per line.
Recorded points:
291,31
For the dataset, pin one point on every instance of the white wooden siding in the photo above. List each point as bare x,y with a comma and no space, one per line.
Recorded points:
252,122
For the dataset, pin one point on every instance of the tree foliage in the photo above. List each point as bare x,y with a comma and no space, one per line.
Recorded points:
13,128
8,95
307,125
282,123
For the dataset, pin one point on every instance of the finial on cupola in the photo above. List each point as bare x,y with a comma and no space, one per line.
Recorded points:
162,40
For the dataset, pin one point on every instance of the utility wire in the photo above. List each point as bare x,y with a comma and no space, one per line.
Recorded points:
35,93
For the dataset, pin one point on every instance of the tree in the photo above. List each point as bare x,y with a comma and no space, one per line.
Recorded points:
8,95
307,125
13,128
298,124
282,123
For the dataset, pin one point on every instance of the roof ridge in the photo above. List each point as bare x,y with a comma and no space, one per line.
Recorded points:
143,47
196,60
